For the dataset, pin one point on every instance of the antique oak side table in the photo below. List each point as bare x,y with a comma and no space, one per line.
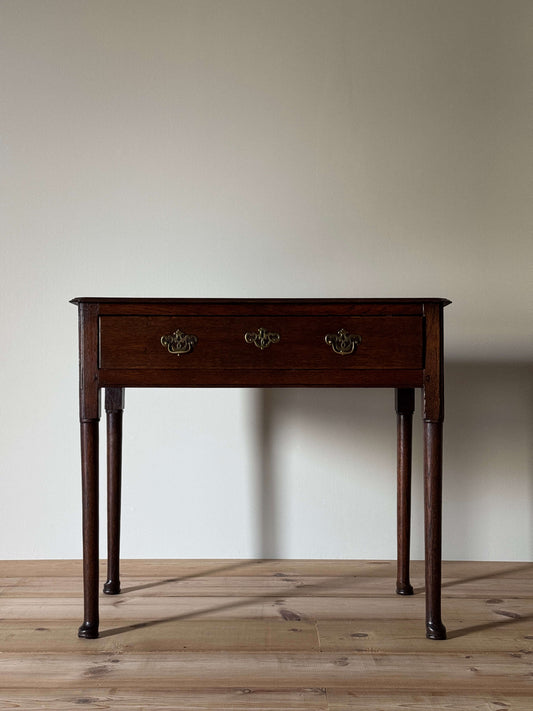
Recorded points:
394,343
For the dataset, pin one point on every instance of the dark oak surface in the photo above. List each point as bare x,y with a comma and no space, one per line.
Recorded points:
255,307
314,303
398,344
135,342
264,378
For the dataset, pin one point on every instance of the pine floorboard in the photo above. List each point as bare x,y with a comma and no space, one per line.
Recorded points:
266,636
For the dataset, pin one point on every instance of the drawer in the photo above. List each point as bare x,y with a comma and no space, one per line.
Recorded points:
243,342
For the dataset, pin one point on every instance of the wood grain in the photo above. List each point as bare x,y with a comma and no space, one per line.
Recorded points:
356,701
266,635
265,587
135,342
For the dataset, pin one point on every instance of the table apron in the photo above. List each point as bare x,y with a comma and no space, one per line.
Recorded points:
238,378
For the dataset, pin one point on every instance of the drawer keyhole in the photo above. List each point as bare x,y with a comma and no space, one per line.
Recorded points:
262,338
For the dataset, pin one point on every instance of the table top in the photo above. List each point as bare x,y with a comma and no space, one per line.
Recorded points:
158,300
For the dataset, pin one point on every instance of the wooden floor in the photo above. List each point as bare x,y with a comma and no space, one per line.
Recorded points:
266,635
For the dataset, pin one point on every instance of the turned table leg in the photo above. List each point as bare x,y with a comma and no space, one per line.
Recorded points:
114,407
433,406
405,405
89,420
89,470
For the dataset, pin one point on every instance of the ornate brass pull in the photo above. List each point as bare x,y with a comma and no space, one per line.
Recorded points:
262,338
179,342
343,342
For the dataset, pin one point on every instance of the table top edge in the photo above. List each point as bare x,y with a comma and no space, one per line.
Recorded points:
236,301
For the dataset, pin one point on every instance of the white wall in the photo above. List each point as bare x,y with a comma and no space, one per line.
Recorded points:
266,148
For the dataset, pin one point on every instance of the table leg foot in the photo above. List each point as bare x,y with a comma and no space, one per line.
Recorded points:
112,587
404,589
88,630
435,630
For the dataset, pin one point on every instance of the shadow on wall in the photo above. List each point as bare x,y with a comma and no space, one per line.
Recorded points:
488,456
489,460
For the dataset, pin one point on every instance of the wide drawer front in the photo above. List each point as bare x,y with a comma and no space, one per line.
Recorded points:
285,342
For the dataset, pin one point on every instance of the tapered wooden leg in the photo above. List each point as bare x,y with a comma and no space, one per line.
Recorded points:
405,405
433,525
114,406
89,470
433,413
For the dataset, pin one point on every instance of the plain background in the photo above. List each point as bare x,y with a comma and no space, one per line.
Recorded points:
267,148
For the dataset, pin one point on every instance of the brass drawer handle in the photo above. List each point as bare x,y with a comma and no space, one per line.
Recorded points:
262,338
343,342
179,342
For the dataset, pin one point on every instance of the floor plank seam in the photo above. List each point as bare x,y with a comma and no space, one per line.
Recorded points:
289,636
